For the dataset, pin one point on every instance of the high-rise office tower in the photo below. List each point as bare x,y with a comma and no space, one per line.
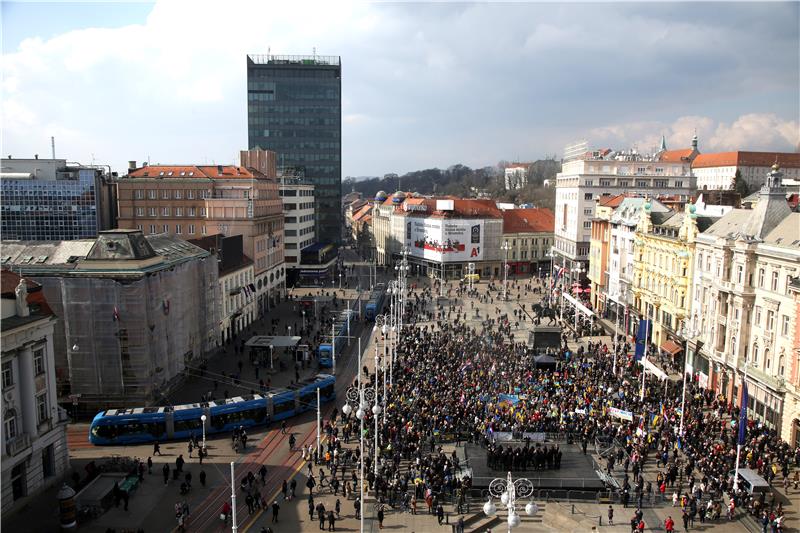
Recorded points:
294,108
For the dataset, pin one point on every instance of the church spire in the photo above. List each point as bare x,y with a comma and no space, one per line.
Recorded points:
663,147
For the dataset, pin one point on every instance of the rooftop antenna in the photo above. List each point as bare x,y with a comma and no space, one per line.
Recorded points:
53,146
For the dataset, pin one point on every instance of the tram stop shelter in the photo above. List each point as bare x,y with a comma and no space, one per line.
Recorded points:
263,346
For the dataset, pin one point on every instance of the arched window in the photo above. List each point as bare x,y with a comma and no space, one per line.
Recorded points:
755,353
766,358
781,368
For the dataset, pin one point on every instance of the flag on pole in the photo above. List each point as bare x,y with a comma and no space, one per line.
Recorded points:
743,417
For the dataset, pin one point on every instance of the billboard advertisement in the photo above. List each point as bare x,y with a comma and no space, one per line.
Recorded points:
445,240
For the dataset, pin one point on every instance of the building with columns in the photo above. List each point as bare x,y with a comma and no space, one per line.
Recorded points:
743,309
34,454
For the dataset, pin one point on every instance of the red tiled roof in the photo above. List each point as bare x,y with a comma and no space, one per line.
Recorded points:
528,220
611,201
194,171
10,280
747,159
361,213
676,156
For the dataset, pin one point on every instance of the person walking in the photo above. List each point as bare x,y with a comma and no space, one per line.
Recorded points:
669,524
156,448
202,478
179,463
357,507
331,521
149,465
610,515
380,517
275,509
165,472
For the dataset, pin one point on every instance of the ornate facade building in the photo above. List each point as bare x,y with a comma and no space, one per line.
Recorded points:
743,310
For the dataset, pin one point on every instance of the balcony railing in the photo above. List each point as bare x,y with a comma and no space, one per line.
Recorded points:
17,444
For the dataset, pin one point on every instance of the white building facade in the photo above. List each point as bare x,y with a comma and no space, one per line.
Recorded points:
587,177
298,217
716,171
742,309
35,454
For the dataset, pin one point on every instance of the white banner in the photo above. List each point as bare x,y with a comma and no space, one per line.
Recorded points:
702,380
653,369
445,240
621,414
579,306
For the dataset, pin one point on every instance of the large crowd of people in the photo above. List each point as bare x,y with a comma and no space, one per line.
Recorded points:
459,375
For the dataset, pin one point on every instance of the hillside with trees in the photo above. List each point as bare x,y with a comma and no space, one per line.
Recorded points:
461,180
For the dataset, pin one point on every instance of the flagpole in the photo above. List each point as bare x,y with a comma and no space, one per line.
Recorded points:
742,430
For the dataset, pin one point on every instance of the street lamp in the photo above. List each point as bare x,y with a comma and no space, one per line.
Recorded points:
508,491
621,295
361,397
203,420
505,248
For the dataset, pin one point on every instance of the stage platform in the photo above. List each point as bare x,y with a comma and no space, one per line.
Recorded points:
577,470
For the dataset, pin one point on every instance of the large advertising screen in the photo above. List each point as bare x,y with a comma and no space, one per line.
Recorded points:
445,240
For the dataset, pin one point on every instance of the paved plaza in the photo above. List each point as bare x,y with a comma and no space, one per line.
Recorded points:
151,507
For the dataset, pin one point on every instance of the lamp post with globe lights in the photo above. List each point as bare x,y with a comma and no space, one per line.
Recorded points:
505,248
577,270
508,490
361,397
203,419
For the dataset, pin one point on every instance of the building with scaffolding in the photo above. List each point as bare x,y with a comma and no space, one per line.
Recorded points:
134,312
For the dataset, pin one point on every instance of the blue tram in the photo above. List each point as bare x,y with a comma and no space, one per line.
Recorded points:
375,302
150,424
325,350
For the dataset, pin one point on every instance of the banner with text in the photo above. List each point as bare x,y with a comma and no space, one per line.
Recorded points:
445,240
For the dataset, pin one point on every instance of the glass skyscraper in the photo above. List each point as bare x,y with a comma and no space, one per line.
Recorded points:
46,200
294,107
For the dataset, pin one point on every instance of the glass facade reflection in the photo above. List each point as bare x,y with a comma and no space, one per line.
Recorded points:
294,107
58,209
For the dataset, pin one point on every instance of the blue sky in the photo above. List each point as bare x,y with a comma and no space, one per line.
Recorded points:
423,84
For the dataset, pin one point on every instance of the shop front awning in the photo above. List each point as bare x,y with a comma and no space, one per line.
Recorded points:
671,347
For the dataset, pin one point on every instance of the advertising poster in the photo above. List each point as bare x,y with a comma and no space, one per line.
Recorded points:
445,240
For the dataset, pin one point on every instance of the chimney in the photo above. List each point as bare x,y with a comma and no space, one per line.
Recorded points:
131,165
36,156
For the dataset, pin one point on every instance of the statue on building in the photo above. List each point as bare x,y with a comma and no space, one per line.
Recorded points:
22,298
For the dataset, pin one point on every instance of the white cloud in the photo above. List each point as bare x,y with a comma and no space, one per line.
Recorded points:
423,84
753,131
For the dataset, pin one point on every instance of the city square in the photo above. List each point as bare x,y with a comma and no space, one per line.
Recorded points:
425,267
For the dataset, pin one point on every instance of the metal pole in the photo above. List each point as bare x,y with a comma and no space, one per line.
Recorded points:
348,322
319,424
271,348
616,321
505,272
383,366
373,414
234,526
333,346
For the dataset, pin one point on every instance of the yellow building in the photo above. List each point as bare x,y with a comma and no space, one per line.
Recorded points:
664,247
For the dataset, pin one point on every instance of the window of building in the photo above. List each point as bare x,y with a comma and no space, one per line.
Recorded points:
587,212
38,362
139,227
165,211
165,194
151,211
178,194
8,374
152,228
139,194
192,211
739,274
757,316
151,194
49,461
587,224
203,230
761,278
178,211
587,196
42,411
679,184
19,483
774,285
190,194
178,229
165,228
140,211
770,320
191,229
785,325
202,211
